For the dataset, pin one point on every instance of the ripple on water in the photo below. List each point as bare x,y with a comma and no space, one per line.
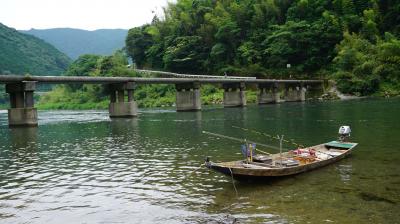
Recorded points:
49,117
80,166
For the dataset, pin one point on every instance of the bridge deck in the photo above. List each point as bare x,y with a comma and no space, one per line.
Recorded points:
110,80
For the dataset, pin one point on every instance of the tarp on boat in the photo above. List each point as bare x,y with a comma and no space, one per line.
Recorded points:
337,144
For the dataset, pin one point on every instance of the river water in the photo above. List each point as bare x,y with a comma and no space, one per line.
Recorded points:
82,167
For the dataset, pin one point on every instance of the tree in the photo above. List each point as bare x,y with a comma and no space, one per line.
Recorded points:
390,12
137,42
83,66
364,67
369,28
184,55
308,47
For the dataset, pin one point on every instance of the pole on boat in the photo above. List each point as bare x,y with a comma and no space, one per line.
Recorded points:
291,141
240,140
251,152
248,157
280,147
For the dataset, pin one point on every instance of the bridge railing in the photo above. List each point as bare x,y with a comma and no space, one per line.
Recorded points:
179,75
110,80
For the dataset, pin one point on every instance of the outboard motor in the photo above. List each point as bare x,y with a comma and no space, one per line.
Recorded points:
344,133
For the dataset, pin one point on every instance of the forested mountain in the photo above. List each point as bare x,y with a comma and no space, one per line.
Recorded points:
355,42
76,42
21,54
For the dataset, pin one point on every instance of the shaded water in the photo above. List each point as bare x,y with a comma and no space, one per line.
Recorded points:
82,167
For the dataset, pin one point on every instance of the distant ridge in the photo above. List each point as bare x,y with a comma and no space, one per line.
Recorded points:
21,54
75,42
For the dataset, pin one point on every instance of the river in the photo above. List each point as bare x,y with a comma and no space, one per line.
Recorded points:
82,167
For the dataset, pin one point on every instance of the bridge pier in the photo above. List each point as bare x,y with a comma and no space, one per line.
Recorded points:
22,112
188,96
295,93
269,93
118,106
316,90
234,94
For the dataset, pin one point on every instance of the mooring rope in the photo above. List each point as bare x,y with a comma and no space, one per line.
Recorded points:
190,174
233,182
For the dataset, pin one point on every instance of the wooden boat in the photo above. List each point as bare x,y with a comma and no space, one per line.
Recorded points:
285,164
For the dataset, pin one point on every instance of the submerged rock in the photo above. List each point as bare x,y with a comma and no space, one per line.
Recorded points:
373,197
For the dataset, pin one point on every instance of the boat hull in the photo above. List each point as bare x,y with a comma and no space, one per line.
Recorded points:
271,173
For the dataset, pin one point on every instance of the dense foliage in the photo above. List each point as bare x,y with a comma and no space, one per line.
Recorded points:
22,54
365,67
79,96
260,37
76,42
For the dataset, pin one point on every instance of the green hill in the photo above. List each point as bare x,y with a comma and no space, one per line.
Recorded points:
76,42
21,53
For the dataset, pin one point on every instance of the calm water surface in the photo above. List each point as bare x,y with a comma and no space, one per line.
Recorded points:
82,167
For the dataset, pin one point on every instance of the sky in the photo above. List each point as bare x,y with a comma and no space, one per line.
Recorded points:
82,14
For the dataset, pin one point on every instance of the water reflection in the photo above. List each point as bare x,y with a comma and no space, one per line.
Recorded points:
24,138
194,118
236,116
345,172
123,126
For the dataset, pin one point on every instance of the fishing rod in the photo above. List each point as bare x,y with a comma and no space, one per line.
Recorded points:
277,138
270,136
241,140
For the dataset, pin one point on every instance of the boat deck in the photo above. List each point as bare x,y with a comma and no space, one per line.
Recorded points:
302,158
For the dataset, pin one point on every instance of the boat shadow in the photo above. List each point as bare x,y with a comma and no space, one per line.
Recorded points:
239,181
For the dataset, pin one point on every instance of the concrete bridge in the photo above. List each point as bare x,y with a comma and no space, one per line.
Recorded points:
122,103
